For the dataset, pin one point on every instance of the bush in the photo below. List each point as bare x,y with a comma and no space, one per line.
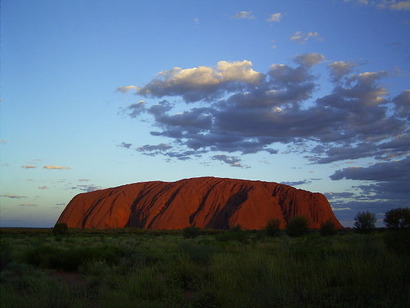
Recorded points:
297,226
60,229
397,218
364,221
191,232
272,227
327,228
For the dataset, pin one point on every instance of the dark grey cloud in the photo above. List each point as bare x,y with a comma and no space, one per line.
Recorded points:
389,180
232,161
297,183
402,102
125,145
338,195
153,150
385,171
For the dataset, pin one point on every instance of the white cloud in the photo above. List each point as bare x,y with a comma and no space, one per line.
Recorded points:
199,82
244,15
275,17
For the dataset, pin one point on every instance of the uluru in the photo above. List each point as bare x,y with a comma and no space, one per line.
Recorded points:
205,202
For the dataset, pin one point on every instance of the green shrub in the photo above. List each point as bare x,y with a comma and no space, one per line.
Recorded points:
191,232
272,227
398,218
233,235
364,222
327,228
60,229
297,226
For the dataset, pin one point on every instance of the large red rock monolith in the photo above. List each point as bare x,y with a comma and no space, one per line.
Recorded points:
202,202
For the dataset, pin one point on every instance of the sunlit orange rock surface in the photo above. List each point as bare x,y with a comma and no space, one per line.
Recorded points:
202,202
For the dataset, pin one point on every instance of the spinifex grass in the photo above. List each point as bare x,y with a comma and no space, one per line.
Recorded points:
155,269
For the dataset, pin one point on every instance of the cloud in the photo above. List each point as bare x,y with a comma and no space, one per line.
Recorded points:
43,187
3,141
340,69
402,103
244,15
232,161
126,89
28,166
125,145
297,183
11,196
401,6
390,181
275,17
233,108
55,167
28,204
86,188
153,150
386,4
302,37
83,180
385,171
199,83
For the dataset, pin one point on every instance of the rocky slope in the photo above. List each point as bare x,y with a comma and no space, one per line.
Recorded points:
203,202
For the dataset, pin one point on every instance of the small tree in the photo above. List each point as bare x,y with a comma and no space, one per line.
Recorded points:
297,226
60,229
397,218
327,228
272,227
365,221
191,232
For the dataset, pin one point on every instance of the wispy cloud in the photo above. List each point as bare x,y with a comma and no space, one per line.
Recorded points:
28,166
394,5
400,6
87,188
244,15
55,167
28,204
275,17
301,37
12,196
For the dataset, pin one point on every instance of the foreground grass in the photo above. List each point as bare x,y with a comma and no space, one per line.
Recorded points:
244,269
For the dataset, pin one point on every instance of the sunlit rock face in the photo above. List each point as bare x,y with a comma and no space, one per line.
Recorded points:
202,202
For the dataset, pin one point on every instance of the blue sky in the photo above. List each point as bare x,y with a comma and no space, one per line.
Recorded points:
314,94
